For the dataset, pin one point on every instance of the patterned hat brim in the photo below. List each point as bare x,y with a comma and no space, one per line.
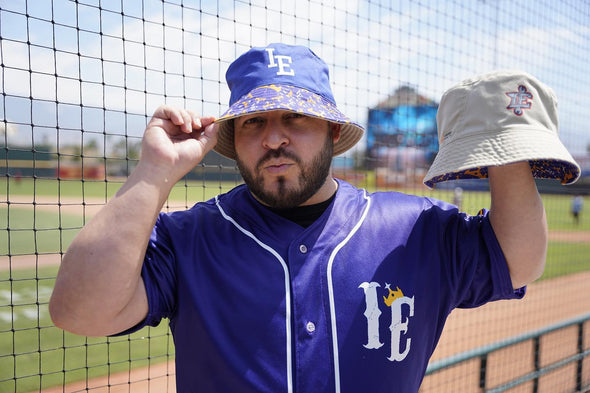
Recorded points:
290,98
469,157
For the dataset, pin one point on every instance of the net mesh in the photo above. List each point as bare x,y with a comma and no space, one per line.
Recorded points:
80,80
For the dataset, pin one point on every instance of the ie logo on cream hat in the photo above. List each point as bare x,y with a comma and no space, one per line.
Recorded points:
497,119
519,100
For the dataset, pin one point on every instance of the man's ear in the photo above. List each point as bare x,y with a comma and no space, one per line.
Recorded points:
335,130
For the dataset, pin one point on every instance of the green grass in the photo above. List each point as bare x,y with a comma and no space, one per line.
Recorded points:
566,258
558,213
184,191
26,231
557,207
34,353
60,188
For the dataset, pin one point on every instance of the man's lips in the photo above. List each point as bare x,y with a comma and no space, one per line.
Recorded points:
277,167
277,161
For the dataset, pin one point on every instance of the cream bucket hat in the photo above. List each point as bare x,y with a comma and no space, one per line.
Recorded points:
497,119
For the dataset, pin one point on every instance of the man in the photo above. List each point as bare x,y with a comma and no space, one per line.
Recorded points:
577,205
294,281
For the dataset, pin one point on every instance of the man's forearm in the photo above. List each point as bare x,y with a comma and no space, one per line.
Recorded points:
518,218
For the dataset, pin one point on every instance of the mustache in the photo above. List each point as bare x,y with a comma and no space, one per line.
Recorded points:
277,153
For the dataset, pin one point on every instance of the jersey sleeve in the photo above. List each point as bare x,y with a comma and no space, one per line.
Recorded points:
478,268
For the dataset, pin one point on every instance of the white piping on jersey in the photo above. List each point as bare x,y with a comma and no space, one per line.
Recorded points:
331,292
287,291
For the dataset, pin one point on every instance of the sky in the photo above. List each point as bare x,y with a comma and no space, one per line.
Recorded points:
129,57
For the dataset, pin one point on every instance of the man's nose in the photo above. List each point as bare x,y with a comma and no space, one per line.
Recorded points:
275,135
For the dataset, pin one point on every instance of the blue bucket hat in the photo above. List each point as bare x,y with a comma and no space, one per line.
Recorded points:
285,77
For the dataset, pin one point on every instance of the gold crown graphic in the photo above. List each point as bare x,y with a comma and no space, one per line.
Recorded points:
392,296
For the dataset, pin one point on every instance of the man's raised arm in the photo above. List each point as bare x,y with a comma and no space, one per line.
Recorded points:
99,290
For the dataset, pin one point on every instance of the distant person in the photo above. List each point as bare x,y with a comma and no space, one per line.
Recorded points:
577,207
18,176
295,280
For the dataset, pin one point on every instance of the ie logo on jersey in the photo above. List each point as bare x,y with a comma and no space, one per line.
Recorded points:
401,309
519,100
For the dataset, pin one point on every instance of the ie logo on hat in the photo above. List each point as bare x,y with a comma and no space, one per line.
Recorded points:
283,62
519,100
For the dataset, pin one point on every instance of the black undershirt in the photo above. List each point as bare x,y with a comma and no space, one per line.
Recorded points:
304,215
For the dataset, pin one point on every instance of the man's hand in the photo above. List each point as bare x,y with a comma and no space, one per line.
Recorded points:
175,141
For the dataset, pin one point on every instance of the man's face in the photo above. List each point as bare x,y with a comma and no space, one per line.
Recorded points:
284,157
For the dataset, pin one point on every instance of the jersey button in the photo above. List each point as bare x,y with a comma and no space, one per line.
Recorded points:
303,248
310,327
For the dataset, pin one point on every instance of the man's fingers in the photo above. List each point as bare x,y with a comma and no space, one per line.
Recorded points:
210,132
186,120
198,122
180,117
206,121
165,112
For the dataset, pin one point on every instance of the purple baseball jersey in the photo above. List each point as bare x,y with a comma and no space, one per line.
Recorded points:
354,303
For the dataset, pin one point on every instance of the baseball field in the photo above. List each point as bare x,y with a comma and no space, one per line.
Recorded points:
38,220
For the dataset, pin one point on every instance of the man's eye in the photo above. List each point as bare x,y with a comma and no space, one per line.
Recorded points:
295,115
252,120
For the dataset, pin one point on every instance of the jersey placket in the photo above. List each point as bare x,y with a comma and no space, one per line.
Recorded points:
311,334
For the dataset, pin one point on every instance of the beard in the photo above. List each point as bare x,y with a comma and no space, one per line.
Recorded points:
311,178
